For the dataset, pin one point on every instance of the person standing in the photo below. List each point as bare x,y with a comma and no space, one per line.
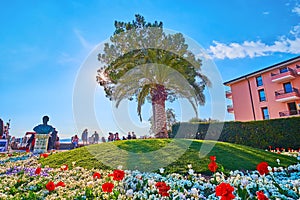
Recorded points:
96,137
57,143
84,136
75,141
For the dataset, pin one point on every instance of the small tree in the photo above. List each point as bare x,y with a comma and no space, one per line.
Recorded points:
142,62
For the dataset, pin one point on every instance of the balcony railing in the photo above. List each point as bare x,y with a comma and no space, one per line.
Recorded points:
282,95
289,113
283,76
230,109
228,94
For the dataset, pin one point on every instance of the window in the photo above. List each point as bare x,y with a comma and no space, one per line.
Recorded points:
262,95
265,113
259,81
288,87
284,69
292,108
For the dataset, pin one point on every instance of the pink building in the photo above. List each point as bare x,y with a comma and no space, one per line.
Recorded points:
269,93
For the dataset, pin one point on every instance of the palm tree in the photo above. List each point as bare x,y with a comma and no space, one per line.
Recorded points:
143,62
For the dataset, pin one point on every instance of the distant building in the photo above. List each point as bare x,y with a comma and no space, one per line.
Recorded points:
269,93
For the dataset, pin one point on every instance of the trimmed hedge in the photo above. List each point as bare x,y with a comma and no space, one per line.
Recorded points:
282,133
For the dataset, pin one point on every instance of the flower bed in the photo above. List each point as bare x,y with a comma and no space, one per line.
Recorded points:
25,179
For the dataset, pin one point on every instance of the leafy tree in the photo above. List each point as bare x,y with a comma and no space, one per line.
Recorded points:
142,62
196,119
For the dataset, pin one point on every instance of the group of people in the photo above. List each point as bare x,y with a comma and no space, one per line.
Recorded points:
53,142
4,129
114,137
94,139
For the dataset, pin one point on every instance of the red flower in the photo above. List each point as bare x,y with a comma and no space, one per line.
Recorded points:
212,166
213,158
163,189
96,175
262,168
270,147
38,170
261,195
160,184
64,167
107,187
61,184
118,175
225,191
27,150
44,155
50,186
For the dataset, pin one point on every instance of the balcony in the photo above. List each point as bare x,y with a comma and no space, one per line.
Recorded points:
228,94
283,76
283,96
298,69
289,113
230,109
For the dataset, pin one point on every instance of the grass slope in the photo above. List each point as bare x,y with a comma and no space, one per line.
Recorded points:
173,155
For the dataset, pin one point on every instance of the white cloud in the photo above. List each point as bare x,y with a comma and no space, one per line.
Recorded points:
296,9
258,48
254,48
82,40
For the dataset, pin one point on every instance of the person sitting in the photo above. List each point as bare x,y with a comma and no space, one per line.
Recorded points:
110,137
133,135
116,137
128,136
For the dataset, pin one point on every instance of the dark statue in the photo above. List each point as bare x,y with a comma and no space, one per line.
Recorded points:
45,129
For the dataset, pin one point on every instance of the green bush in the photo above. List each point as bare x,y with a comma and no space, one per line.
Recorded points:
282,133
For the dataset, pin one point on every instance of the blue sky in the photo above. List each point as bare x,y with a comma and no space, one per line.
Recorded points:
43,45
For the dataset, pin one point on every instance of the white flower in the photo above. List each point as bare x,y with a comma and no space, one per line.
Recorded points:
244,181
191,172
269,168
194,192
129,193
278,161
189,166
161,170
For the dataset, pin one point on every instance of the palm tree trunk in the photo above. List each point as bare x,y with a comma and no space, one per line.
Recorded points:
159,97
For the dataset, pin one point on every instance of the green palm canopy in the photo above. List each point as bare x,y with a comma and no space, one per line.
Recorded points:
142,62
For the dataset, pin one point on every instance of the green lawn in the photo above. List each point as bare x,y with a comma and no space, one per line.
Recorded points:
172,155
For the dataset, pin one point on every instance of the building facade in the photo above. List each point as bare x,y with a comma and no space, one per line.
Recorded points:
269,93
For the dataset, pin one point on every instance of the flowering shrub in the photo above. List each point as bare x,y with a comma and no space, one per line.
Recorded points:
19,180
